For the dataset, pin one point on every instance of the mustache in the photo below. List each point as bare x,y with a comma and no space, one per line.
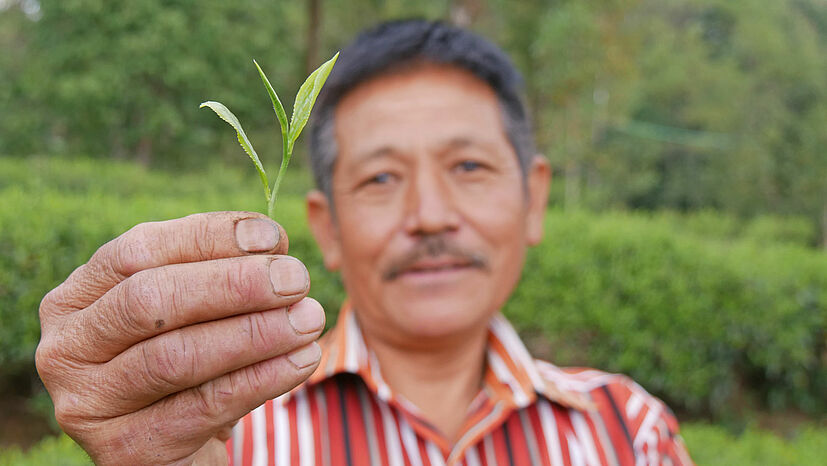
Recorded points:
434,246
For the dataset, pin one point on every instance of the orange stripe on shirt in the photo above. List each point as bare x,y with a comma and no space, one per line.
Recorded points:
339,416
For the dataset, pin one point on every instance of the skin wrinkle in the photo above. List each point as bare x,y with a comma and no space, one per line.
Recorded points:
233,282
83,291
204,246
165,362
143,297
175,298
133,254
209,406
254,324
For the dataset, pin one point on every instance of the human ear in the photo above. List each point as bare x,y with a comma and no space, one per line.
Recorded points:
538,180
323,227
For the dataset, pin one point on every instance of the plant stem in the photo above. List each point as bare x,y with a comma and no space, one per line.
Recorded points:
286,154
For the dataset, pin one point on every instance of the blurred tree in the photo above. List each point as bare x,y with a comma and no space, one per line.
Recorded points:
314,24
125,79
19,129
584,69
749,80
677,104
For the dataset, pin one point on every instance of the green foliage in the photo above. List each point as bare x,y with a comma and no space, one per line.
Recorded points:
712,322
305,99
715,326
125,82
762,229
225,114
713,445
678,104
60,450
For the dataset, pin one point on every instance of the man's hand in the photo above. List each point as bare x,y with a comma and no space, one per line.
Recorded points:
173,331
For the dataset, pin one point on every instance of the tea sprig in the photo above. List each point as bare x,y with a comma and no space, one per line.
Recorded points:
305,99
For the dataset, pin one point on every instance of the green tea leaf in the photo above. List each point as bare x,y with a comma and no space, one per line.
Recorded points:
277,106
306,98
225,114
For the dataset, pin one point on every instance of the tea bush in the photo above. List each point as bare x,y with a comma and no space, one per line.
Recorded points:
60,450
712,445
711,320
713,326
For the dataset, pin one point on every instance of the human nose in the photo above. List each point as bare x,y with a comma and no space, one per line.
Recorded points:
430,205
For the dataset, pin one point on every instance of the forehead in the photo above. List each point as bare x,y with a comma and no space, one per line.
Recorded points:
415,109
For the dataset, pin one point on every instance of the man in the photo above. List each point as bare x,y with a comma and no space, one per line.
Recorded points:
430,192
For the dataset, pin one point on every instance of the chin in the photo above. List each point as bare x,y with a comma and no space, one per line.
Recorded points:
438,317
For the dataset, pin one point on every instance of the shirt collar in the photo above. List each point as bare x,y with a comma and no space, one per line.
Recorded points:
511,374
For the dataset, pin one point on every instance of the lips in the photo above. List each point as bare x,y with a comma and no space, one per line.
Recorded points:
437,264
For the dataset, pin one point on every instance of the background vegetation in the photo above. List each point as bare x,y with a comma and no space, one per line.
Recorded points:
686,243
679,104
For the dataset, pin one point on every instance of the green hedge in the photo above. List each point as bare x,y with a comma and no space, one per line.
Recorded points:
711,325
711,445
60,450
711,322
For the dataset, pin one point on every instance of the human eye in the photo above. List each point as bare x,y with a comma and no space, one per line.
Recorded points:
378,179
469,166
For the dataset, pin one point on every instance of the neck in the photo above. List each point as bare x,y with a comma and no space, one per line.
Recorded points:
441,378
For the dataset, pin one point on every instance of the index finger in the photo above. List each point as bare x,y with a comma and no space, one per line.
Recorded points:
195,238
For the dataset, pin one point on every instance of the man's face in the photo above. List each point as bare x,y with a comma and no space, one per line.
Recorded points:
432,217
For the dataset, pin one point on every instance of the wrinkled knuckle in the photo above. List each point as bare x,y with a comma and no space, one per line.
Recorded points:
255,378
49,303
71,412
64,417
45,359
202,238
256,329
212,400
171,363
132,251
46,310
240,288
141,296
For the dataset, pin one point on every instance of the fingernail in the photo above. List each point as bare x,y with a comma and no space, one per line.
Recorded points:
305,356
306,316
288,276
256,235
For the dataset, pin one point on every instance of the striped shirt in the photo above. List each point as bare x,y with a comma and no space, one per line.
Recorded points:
529,412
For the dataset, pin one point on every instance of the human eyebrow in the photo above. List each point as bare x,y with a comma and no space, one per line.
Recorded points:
379,152
460,143
455,144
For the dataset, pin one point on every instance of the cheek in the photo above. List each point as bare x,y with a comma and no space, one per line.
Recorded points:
499,215
500,221
365,233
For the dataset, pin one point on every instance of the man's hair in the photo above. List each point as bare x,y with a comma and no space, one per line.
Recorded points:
398,45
